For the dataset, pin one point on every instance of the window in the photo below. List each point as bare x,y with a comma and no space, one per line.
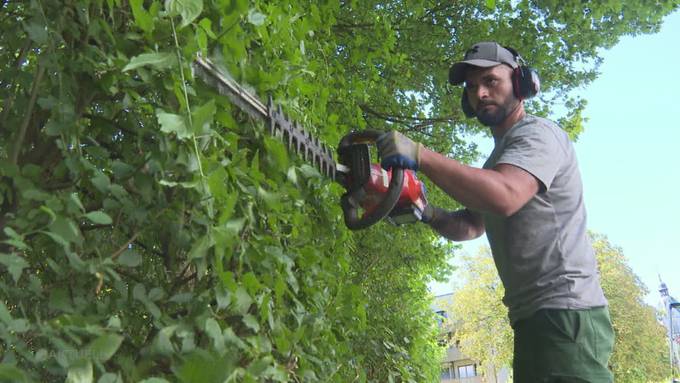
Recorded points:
447,373
467,371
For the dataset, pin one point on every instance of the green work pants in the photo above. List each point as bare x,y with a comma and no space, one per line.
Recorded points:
563,346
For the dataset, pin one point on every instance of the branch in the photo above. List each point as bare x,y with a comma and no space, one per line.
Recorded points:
29,112
125,246
7,104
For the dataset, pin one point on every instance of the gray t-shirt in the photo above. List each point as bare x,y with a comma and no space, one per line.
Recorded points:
542,252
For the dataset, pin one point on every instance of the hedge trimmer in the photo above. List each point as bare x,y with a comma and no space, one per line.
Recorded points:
396,194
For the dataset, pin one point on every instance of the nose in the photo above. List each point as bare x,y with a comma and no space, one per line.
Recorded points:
481,92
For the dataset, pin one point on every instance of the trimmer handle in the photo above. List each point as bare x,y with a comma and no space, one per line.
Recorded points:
359,168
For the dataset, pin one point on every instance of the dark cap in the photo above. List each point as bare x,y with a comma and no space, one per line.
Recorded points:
484,55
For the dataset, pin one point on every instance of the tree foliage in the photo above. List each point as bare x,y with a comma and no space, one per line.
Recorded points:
152,232
482,330
641,348
478,318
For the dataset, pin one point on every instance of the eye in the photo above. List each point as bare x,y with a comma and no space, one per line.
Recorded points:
492,82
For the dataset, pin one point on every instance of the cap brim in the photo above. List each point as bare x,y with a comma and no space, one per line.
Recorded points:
457,71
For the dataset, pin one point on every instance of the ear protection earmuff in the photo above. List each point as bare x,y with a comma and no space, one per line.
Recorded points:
525,84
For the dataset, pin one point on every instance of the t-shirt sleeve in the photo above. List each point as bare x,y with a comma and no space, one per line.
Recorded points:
536,149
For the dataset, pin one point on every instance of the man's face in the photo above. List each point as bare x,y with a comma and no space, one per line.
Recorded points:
489,91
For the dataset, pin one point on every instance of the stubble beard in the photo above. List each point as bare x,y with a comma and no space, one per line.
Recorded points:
496,116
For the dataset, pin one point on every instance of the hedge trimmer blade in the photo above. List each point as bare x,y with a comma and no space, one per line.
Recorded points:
290,132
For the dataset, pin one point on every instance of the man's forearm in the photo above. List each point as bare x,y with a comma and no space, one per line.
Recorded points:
497,191
459,225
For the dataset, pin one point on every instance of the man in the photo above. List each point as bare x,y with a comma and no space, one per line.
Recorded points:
528,199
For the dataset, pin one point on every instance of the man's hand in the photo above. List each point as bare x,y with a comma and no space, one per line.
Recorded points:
396,149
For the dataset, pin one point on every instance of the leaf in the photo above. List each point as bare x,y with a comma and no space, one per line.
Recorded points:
80,372
99,217
212,328
490,4
15,239
66,229
142,17
201,247
74,198
154,380
256,18
110,378
104,347
9,373
129,258
173,123
36,32
251,322
158,60
101,182
15,265
188,9
203,116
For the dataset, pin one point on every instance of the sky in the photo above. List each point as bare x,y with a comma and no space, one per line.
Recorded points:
628,156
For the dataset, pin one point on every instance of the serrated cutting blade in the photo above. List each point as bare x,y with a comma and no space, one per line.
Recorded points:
296,138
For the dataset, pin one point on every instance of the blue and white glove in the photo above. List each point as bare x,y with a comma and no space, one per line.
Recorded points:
396,149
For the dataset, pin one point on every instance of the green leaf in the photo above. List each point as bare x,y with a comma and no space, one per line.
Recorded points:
154,380
66,229
110,378
212,328
15,239
203,116
201,247
490,4
101,182
163,345
15,265
74,198
143,18
188,9
9,373
99,217
130,258
251,322
80,372
158,60
103,348
37,32
173,123
256,18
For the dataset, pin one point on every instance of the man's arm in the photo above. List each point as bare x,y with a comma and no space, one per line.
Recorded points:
459,225
502,190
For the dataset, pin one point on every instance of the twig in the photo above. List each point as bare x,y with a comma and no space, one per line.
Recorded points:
124,247
29,112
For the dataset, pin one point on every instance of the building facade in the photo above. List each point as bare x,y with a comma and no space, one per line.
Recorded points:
456,367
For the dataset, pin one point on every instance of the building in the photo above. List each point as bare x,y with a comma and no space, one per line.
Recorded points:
456,367
671,321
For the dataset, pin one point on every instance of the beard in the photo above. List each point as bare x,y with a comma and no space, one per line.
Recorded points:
494,116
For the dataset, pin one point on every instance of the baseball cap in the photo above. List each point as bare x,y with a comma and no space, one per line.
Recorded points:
484,54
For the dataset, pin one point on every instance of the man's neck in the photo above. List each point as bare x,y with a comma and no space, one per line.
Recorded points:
515,116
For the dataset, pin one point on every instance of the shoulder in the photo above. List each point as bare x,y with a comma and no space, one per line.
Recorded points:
538,127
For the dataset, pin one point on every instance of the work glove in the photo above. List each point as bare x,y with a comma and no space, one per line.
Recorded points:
397,150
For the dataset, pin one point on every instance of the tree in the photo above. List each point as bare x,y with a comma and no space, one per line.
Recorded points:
149,229
641,348
482,330
478,318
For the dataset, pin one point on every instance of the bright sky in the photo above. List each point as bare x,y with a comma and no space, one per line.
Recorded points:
628,156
